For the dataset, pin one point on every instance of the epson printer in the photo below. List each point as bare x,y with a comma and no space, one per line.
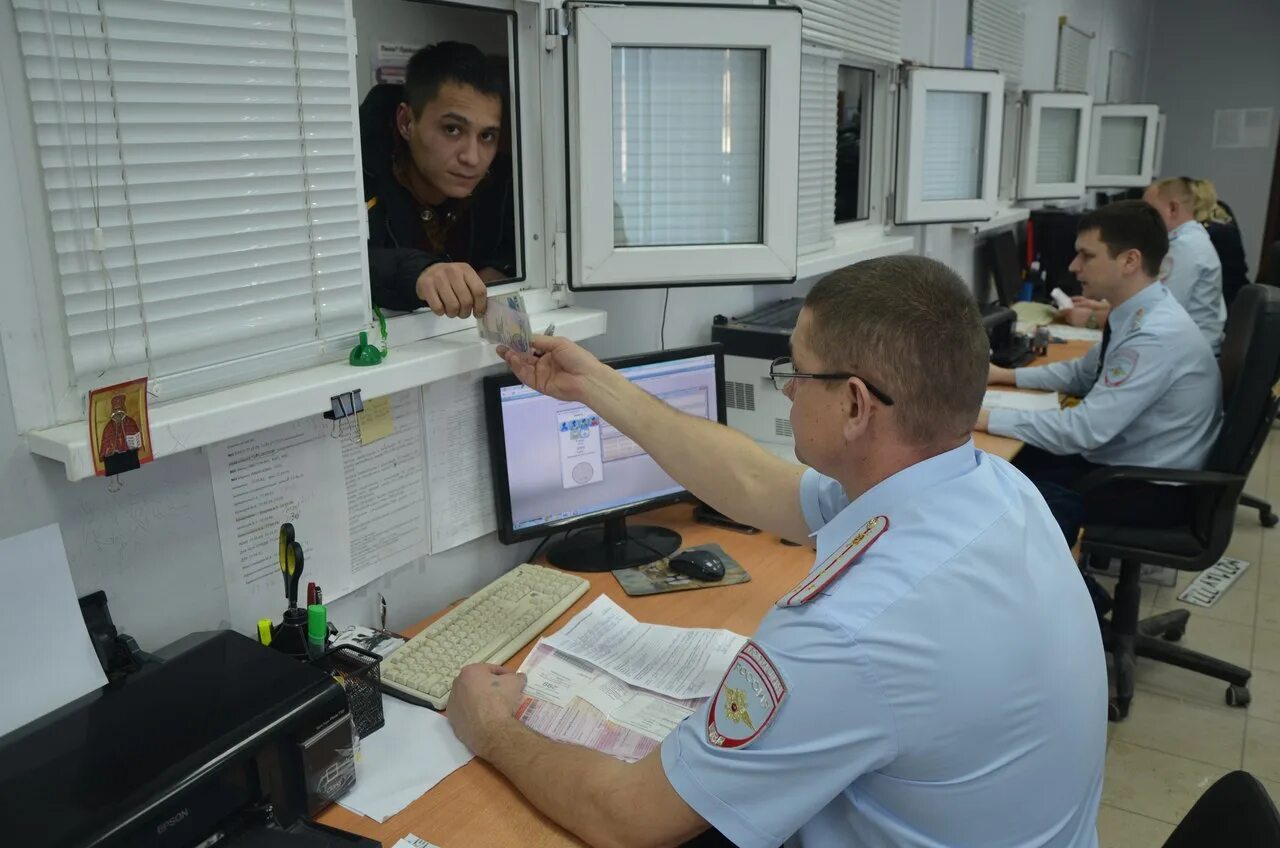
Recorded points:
224,743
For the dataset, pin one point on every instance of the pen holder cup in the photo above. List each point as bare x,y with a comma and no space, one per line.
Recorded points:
360,673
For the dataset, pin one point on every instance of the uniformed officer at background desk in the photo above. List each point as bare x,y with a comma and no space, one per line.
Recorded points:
441,205
937,679
1152,391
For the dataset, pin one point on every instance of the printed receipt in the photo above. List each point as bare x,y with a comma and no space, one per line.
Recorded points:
678,662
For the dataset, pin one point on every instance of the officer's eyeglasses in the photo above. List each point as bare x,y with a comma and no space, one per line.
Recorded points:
782,371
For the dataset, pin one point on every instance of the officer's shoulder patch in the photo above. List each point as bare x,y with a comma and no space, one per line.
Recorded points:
836,564
1135,323
1120,367
747,701
1166,267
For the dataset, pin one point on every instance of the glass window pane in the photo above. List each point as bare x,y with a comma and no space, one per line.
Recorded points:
688,146
1120,145
1059,134
954,126
853,143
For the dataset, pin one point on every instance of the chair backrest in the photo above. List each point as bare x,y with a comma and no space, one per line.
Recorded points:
1250,364
1235,811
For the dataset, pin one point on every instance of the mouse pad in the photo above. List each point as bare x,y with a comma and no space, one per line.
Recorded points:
655,578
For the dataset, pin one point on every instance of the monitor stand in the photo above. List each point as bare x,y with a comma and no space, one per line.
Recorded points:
613,546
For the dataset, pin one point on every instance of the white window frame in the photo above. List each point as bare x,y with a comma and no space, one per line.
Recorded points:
918,82
1029,185
877,160
596,263
1158,165
1149,113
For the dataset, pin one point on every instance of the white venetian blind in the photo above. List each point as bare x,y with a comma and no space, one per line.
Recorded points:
1072,68
869,28
954,124
1056,155
1120,78
1120,145
997,29
818,119
687,146
211,145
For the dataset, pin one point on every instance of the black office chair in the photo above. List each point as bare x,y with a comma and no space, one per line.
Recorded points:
1234,811
1250,364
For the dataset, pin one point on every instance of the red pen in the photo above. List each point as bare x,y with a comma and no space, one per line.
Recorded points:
311,593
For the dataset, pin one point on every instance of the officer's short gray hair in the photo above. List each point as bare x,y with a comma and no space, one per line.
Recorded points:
910,326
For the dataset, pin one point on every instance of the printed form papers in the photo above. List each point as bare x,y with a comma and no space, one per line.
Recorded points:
1031,401
610,683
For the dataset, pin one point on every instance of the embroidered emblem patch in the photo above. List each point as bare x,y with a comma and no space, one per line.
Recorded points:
747,700
1136,323
836,564
1120,367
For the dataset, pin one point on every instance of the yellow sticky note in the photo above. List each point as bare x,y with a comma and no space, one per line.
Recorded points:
375,421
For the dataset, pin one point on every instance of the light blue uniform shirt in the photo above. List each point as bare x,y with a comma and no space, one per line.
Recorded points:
950,688
1193,273
1157,402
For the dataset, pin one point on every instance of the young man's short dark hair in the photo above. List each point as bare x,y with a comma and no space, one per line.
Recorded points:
1130,225
449,61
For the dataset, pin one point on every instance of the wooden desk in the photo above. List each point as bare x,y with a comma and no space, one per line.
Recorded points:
475,807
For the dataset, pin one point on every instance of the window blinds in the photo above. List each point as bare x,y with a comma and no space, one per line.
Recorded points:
1072,69
687,146
868,28
818,118
200,168
1057,153
955,123
1120,78
997,30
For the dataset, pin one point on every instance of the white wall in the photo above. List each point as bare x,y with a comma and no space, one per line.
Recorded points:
1229,59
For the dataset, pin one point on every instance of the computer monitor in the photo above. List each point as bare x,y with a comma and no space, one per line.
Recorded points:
558,466
1002,258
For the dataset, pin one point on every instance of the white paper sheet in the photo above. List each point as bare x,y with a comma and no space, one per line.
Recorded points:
675,661
1031,401
459,481
358,511
41,622
411,841
413,751
654,717
1078,334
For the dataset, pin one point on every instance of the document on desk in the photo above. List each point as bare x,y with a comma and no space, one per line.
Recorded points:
1029,401
1074,334
41,623
358,510
413,751
459,482
675,661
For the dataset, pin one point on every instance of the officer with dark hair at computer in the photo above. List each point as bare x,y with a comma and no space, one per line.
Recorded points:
438,190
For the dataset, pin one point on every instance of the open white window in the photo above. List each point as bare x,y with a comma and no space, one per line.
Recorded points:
683,148
948,145
1158,166
1122,145
1055,135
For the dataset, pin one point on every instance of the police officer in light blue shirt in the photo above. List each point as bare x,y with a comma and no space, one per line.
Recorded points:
1192,269
937,678
1151,392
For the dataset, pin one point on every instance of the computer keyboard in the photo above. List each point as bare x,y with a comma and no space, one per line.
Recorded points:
490,626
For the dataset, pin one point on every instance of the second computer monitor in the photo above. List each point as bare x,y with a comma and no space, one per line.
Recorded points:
1002,257
559,465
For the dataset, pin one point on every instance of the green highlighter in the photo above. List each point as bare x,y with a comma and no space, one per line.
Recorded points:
317,628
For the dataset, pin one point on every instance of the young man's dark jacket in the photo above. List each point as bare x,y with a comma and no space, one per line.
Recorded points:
482,229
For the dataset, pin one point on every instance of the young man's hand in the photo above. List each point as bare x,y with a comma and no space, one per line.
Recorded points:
453,289
483,697
557,367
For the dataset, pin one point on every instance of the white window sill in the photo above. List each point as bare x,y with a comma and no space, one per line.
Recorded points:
856,246
195,422
1002,219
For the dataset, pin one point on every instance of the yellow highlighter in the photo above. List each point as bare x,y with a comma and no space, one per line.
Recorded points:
264,631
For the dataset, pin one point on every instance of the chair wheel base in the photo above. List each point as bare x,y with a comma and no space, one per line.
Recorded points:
1268,519
1118,709
1174,635
1238,696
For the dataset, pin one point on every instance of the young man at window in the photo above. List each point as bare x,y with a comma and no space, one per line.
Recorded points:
438,189
939,678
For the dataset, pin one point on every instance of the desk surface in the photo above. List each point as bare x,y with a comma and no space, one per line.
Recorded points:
476,806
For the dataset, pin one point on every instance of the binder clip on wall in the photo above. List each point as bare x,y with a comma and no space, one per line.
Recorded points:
342,408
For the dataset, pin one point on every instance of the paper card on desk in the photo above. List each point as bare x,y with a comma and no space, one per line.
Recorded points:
40,621
1074,334
676,661
413,751
1029,401
506,322
375,420
411,841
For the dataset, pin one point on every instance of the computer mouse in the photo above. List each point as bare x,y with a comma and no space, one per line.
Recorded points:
698,564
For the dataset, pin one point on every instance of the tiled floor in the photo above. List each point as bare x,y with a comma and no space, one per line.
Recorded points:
1180,735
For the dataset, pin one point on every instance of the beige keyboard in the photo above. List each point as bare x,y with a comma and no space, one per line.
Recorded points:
490,626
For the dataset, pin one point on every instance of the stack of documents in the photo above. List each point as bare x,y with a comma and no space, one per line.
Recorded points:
1031,401
612,684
